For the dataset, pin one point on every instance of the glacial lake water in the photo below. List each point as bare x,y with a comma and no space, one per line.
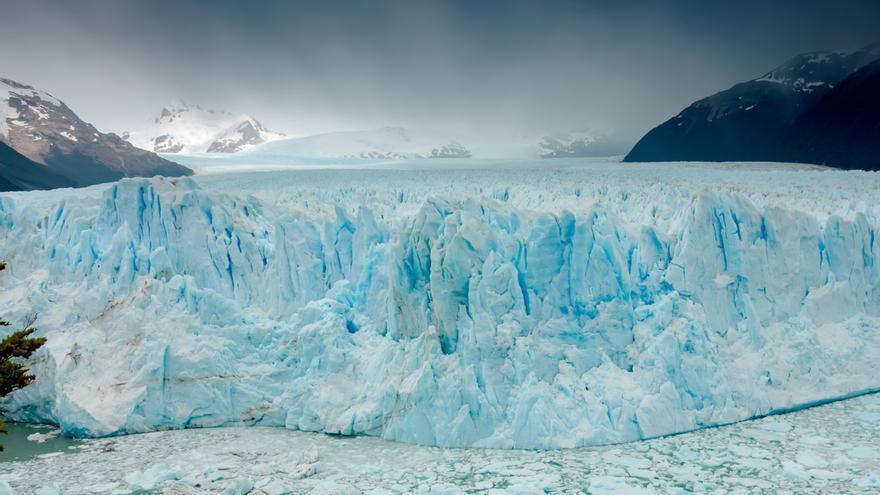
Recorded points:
834,448
43,440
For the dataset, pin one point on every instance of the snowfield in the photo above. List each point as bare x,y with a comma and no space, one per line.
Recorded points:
534,305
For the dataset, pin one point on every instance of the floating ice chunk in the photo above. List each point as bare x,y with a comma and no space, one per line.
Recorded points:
330,487
869,417
814,440
237,486
42,437
864,452
775,426
108,487
811,459
152,477
750,451
750,482
824,474
445,490
794,471
871,480
272,486
602,485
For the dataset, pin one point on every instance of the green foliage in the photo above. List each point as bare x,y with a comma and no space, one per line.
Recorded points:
17,346
13,374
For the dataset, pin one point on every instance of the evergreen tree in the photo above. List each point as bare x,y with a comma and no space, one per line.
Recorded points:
14,348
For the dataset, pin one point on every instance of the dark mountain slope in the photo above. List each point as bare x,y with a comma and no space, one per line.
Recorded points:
752,121
843,128
18,173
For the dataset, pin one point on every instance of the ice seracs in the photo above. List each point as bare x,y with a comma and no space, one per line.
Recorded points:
184,128
536,308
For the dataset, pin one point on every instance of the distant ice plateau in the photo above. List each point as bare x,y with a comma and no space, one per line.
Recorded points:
533,307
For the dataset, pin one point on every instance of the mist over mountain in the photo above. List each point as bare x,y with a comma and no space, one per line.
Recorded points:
492,69
181,127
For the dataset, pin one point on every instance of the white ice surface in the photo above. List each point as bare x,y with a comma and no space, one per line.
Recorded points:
523,306
385,142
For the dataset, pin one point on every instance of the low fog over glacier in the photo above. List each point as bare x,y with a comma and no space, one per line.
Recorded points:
526,306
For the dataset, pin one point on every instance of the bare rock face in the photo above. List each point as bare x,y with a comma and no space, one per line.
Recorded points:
244,135
44,130
451,150
166,144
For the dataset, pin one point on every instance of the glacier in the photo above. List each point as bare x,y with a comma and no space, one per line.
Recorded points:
509,308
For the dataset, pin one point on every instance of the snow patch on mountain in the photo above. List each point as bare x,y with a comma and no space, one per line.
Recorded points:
810,72
183,128
45,131
9,88
537,308
26,96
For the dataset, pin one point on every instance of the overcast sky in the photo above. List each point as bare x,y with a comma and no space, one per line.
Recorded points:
470,66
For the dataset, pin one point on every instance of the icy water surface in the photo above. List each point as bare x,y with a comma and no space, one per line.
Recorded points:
25,442
829,449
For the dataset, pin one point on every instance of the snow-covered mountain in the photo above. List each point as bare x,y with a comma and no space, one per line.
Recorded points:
386,143
756,120
819,71
578,144
40,129
183,128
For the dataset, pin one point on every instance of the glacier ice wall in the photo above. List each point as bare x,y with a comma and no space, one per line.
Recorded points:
454,322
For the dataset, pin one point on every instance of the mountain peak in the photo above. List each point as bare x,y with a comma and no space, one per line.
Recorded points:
184,127
15,84
41,131
823,69
179,106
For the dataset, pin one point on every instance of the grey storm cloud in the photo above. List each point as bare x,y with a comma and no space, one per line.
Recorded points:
476,66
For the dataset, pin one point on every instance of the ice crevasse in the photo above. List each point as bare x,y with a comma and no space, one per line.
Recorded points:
457,322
